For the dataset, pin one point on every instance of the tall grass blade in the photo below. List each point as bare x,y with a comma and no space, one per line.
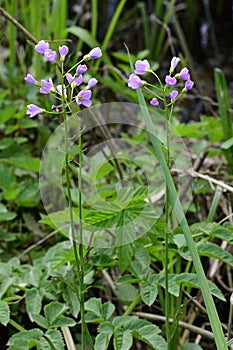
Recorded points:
113,24
145,22
209,303
11,9
162,32
214,204
224,105
94,18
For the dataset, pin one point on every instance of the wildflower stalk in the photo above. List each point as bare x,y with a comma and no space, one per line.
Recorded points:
136,83
210,306
167,205
79,259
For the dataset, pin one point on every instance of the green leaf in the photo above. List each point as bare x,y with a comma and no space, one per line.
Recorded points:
107,310
227,144
94,305
148,291
102,341
214,251
123,340
55,338
224,234
25,340
23,162
71,300
125,254
191,280
63,321
83,35
40,320
4,313
106,328
126,293
53,311
33,300
149,335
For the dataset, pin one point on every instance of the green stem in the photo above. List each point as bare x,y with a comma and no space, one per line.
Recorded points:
17,326
79,260
167,205
134,303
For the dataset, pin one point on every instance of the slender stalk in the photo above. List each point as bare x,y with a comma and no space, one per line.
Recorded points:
94,18
17,326
79,260
167,205
81,271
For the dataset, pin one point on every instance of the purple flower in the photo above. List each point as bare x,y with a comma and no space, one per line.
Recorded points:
91,83
170,81
142,67
134,81
174,62
94,54
154,102
33,110
174,94
82,68
42,46
74,81
63,50
47,86
184,74
30,79
59,90
83,98
50,55
188,85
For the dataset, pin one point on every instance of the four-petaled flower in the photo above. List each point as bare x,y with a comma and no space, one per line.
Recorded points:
174,62
42,46
33,110
59,90
170,81
184,74
154,102
93,54
73,80
46,86
174,94
30,79
142,67
91,83
83,98
188,85
134,81
63,50
82,68
50,55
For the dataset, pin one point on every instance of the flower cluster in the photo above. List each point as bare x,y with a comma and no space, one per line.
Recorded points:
69,81
143,67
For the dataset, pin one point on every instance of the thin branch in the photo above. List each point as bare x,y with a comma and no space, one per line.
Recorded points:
194,329
18,25
41,241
